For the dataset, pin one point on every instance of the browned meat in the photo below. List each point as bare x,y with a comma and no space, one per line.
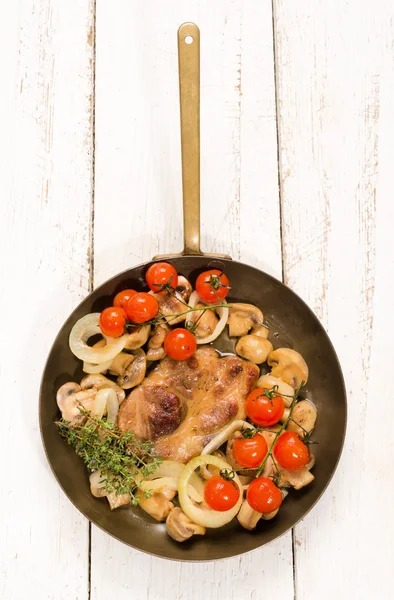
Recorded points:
181,405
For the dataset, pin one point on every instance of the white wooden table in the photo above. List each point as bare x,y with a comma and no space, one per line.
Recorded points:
297,178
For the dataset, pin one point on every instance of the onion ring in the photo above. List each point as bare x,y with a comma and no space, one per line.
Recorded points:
85,328
222,312
206,517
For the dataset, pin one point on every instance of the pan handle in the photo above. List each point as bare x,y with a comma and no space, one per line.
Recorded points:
189,98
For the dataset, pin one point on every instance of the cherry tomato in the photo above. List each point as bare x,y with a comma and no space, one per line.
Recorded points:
212,286
112,321
263,495
161,274
141,307
249,452
262,410
291,452
180,344
123,297
221,494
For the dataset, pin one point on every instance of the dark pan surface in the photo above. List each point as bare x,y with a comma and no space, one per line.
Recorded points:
291,324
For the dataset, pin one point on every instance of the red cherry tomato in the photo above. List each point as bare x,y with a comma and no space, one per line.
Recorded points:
212,286
263,495
249,452
180,344
291,452
123,297
112,321
141,307
262,410
221,494
161,274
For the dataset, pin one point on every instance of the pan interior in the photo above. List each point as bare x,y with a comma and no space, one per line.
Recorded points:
292,324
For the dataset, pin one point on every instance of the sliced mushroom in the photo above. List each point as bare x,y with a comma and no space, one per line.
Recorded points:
268,382
303,418
206,321
70,397
287,364
138,337
97,488
159,332
180,527
285,415
253,348
116,501
135,371
242,317
296,479
184,288
158,505
99,382
120,363
261,331
248,517
155,345
170,305
155,353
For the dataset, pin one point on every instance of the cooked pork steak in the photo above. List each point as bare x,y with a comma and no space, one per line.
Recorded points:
181,405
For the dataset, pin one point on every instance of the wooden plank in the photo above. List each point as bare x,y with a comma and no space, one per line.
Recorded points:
138,180
336,97
45,179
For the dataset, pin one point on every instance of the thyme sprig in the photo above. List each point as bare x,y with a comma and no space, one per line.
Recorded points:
123,460
282,428
161,319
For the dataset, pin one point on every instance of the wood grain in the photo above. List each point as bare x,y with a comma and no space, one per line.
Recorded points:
45,179
138,179
336,92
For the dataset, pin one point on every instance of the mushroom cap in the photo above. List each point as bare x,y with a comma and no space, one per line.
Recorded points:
303,418
99,382
242,317
155,353
70,397
184,288
180,527
138,337
287,364
268,382
261,331
158,505
159,332
247,516
206,321
254,348
135,371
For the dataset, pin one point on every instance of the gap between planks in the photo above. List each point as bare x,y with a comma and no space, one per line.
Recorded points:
92,39
277,115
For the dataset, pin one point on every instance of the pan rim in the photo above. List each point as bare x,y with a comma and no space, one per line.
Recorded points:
208,257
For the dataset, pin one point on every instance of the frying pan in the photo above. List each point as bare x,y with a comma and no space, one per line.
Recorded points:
291,323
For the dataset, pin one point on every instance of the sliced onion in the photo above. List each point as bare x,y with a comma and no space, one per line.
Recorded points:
224,435
85,328
222,312
157,484
97,484
168,468
93,369
112,406
205,516
106,402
